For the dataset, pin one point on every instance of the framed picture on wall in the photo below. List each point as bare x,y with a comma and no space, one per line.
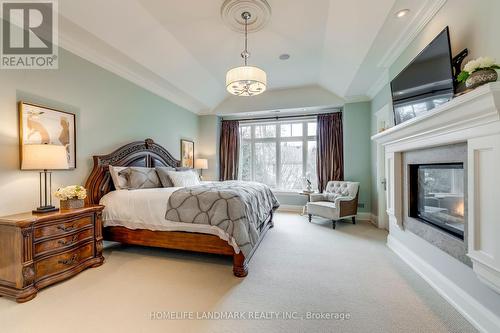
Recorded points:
187,154
42,125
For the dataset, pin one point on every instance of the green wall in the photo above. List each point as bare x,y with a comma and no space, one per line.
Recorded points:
110,111
208,144
357,155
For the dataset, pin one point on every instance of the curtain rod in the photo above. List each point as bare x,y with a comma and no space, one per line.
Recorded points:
283,117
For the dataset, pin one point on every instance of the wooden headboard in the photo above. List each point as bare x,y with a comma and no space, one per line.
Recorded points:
145,153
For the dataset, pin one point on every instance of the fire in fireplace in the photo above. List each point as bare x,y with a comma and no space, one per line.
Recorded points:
437,196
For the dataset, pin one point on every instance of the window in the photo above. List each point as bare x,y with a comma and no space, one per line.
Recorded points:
281,154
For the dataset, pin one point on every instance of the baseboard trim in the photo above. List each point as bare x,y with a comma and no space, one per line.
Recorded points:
290,208
298,209
364,217
479,316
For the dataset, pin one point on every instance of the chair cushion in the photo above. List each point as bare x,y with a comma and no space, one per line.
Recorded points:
326,209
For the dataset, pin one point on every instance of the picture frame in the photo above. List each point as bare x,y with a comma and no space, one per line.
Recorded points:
187,154
43,125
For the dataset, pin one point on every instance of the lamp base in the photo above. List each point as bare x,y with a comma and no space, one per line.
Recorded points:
45,209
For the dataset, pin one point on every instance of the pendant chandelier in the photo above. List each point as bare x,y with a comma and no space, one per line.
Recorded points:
246,80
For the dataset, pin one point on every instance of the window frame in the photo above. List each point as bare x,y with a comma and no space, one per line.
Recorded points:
277,140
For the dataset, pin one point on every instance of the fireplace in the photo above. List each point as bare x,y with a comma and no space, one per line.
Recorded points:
437,196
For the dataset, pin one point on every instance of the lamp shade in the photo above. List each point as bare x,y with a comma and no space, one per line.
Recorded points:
201,163
44,157
246,81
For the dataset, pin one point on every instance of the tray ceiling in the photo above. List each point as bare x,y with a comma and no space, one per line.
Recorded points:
181,50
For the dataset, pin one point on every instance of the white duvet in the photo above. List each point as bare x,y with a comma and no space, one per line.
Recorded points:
146,208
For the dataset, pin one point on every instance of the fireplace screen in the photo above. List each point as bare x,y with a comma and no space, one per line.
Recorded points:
437,196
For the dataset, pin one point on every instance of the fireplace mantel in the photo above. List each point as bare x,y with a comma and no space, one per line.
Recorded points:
473,118
471,115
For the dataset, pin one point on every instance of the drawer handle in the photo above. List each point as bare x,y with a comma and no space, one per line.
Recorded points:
64,228
64,242
69,262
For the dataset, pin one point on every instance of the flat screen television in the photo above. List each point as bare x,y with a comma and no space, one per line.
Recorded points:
426,82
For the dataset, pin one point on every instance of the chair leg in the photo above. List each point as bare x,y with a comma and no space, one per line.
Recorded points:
310,217
354,220
334,224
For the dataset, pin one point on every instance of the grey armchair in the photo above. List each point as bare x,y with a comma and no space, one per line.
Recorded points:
338,201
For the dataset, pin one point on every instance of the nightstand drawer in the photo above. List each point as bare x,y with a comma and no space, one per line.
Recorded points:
63,227
63,242
61,262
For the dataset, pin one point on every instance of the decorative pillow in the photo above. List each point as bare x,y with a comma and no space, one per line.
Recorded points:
120,182
183,178
164,178
138,178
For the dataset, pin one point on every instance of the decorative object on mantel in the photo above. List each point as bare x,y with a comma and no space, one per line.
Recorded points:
201,164
478,72
71,197
44,157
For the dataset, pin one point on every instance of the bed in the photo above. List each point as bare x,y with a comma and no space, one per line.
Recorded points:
137,217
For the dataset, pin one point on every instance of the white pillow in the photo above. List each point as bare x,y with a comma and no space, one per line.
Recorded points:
120,181
183,178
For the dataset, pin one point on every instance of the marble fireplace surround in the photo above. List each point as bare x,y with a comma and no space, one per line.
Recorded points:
453,246
474,119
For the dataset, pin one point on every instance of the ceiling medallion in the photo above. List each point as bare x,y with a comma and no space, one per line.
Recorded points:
231,14
246,80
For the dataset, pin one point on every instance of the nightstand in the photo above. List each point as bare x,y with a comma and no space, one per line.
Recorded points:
38,250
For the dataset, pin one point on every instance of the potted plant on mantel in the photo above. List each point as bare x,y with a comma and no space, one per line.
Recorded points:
71,197
478,72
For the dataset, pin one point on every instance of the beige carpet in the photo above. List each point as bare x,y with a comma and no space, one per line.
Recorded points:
300,267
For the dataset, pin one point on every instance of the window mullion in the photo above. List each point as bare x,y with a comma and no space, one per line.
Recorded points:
304,148
278,155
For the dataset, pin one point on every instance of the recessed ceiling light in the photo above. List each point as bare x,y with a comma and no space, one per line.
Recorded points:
284,56
402,13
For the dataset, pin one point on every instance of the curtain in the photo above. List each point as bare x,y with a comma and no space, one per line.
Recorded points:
229,150
330,154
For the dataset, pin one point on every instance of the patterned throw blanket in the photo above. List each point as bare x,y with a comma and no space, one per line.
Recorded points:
239,208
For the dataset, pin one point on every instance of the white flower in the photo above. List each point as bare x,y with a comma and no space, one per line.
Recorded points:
481,62
486,62
71,192
471,66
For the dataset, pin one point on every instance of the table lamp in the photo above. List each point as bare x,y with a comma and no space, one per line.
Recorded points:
44,157
202,164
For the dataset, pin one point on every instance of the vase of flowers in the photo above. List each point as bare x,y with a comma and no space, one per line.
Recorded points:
71,197
478,72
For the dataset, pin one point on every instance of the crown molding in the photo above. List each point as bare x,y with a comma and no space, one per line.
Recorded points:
70,44
420,20
357,99
378,85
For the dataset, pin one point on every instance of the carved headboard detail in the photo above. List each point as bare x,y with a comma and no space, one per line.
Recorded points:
145,153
